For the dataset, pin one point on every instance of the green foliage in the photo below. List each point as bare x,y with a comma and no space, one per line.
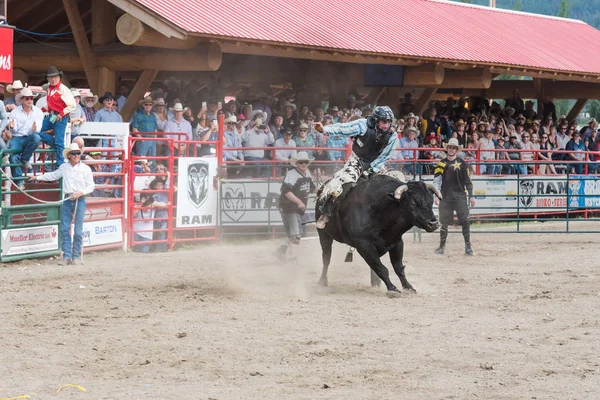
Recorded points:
585,10
593,108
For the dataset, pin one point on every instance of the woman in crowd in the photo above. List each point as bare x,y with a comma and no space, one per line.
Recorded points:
303,139
545,155
471,151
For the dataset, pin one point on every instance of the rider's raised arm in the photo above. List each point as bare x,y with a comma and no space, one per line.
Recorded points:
353,128
385,154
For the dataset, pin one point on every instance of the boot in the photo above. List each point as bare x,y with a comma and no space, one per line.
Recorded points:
325,213
323,220
468,250
467,236
443,237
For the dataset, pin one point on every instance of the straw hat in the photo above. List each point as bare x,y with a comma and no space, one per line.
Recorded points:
75,92
453,142
147,99
26,92
90,95
178,107
72,147
260,113
301,156
231,119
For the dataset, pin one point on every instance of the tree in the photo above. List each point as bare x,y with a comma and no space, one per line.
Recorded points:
518,5
565,8
594,108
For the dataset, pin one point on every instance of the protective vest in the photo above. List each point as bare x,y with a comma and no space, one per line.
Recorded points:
368,146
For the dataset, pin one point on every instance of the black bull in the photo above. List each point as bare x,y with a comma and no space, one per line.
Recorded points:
372,218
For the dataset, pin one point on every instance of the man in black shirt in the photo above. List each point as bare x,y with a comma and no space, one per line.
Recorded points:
296,187
453,178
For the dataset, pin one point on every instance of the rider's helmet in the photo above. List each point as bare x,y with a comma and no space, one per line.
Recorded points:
381,113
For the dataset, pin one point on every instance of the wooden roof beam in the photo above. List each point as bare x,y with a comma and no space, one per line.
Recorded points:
577,108
137,93
81,41
132,32
425,75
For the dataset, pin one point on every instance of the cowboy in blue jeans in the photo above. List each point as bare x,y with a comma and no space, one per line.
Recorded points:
60,103
77,183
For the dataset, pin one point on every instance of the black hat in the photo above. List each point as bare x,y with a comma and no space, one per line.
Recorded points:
52,71
287,131
107,96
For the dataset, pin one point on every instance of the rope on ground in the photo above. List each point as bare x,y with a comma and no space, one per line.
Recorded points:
30,196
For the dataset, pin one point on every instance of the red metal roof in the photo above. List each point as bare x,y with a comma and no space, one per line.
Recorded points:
418,28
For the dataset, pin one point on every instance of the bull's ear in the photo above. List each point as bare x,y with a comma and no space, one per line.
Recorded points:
400,190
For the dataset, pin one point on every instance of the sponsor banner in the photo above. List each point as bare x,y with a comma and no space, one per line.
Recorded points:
96,233
255,203
6,54
196,197
29,240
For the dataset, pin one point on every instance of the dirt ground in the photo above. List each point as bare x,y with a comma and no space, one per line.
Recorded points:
521,320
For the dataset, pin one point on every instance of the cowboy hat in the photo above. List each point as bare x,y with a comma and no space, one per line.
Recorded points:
288,104
90,95
509,111
303,125
178,107
72,147
107,96
52,71
592,121
460,122
146,100
257,113
160,102
231,119
75,92
411,115
484,123
26,92
15,85
453,142
301,156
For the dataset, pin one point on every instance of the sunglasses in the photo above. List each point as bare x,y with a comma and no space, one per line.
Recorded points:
303,130
229,123
544,137
75,153
149,104
302,162
27,98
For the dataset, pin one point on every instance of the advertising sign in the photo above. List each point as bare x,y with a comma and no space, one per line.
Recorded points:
6,54
97,233
196,196
29,240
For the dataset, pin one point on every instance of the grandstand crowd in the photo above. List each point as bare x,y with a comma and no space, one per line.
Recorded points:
498,137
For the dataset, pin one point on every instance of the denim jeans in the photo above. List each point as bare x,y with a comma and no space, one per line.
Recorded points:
141,248
258,170
72,249
26,145
146,149
58,140
161,235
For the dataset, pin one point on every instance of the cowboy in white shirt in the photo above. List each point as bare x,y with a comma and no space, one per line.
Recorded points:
77,183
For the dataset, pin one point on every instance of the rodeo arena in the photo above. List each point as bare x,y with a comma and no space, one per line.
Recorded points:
270,200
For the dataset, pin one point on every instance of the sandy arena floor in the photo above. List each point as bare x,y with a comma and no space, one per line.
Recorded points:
521,320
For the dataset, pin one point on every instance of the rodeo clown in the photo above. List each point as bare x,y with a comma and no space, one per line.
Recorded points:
452,177
374,142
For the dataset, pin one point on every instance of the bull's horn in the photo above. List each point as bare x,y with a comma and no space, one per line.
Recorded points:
434,190
400,191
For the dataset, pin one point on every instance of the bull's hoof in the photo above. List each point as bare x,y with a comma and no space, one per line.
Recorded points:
393,294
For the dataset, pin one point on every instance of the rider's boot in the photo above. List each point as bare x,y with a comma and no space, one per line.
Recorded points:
443,237
325,213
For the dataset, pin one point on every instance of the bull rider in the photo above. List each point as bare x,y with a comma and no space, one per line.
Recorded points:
374,142
452,177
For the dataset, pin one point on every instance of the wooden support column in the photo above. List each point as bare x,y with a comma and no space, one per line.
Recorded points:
132,32
104,15
107,81
577,108
424,100
137,93
81,41
538,87
426,75
20,75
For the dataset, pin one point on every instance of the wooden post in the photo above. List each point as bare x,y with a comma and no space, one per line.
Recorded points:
20,75
137,93
104,15
477,78
81,41
132,32
577,108
426,75
538,87
107,79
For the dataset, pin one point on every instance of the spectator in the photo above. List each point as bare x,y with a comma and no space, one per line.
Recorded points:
89,102
212,109
460,134
576,149
233,142
258,136
502,156
98,172
526,156
319,114
161,214
15,88
277,125
295,189
561,142
261,102
77,117
162,115
302,139
516,103
548,107
411,121
407,142
593,147
432,125
60,103
319,139
122,99
247,111
145,121
547,124
471,151
143,224
406,106
486,144
107,114
24,125
241,124
432,155
516,167
290,119
586,131
178,129
231,108
545,156
336,142
285,146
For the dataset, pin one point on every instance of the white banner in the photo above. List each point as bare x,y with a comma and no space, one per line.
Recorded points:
29,240
196,196
97,233
255,203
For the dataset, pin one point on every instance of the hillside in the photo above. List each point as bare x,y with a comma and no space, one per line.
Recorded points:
585,10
